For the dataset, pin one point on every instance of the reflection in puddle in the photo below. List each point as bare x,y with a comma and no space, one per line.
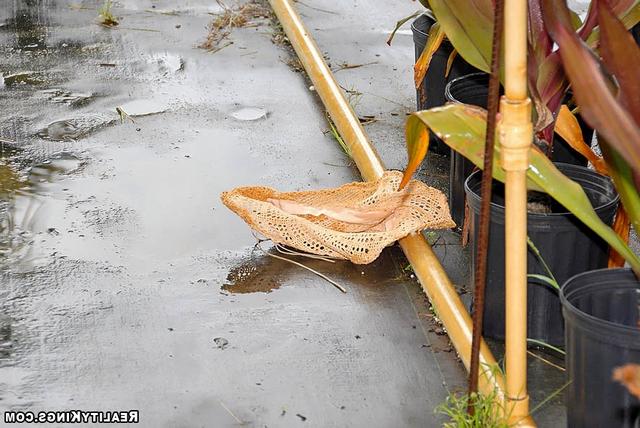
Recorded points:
6,343
30,28
258,273
20,205
10,181
23,78
77,127
61,130
75,99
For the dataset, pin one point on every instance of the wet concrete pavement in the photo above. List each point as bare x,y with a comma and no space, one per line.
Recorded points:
127,285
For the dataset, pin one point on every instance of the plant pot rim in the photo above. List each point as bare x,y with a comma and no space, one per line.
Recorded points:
533,215
447,89
611,277
429,14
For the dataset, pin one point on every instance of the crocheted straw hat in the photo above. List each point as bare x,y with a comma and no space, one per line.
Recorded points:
355,221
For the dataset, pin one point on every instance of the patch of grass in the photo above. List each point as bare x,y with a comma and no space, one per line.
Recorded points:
336,135
489,411
105,16
486,415
230,18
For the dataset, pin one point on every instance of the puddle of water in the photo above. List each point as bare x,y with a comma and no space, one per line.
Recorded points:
167,63
61,130
252,276
171,8
10,181
259,273
30,28
20,207
250,113
75,99
72,129
153,66
139,108
6,342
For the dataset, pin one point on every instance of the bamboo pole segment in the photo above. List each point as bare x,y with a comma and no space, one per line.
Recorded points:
516,133
425,263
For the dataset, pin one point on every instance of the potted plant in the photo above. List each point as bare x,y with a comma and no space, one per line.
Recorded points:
462,128
468,26
602,307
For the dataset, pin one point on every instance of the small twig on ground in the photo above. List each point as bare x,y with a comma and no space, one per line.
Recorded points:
219,48
544,360
317,8
326,278
230,412
347,66
365,120
290,252
349,165
141,29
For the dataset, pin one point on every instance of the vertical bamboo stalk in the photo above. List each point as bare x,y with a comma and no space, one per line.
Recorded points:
516,133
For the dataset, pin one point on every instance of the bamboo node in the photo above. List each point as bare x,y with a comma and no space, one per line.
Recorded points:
516,133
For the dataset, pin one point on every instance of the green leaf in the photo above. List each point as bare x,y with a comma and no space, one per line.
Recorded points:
546,345
468,24
399,24
538,255
622,176
462,127
547,280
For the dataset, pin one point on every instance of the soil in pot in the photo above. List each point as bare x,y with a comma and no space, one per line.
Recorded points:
431,92
602,314
566,244
473,89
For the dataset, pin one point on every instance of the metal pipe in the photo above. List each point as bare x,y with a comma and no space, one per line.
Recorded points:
516,134
430,273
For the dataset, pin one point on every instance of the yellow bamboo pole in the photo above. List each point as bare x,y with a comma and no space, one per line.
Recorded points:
425,263
516,133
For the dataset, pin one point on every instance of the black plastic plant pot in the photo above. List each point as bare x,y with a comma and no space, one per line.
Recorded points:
566,244
470,89
431,92
602,314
